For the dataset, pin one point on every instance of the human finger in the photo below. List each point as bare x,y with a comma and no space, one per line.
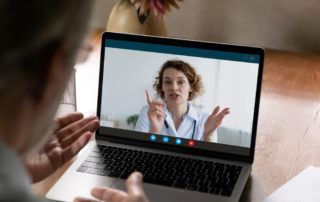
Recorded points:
80,199
221,115
108,194
156,106
134,187
75,147
148,97
90,127
160,113
55,156
158,103
215,111
224,112
65,120
74,127
51,145
159,108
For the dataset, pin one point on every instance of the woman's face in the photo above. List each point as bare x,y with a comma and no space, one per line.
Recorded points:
176,86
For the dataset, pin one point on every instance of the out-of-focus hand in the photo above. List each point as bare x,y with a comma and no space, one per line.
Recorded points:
213,121
72,132
134,192
156,115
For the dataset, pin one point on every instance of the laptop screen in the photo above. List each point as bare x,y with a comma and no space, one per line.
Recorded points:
179,93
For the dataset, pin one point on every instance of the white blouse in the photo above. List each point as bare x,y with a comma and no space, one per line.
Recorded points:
191,127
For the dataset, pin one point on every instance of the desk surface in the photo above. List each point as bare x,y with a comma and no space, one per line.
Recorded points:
289,122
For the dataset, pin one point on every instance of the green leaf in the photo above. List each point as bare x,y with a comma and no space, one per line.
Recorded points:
133,120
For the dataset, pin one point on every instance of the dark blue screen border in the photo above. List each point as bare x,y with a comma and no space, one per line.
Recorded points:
176,50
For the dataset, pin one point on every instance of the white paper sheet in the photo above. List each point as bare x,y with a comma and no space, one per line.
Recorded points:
305,187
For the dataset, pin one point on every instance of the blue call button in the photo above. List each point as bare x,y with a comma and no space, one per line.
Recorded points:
153,137
178,141
165,139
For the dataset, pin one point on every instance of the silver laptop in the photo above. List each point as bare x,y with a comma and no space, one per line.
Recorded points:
178,164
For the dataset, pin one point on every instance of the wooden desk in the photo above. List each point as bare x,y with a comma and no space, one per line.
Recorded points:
288,137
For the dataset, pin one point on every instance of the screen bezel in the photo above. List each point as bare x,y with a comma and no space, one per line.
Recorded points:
117,135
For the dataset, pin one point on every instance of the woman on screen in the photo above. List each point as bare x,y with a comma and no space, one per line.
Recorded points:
176,84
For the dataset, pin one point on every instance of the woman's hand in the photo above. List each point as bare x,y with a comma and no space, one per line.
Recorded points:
134,187
156,115
212,123
72,132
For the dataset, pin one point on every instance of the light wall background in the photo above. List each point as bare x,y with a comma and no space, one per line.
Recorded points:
277,24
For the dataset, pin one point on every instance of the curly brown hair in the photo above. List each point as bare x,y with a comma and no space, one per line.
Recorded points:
193,78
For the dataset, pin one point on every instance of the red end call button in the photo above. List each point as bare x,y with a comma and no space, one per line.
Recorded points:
191,143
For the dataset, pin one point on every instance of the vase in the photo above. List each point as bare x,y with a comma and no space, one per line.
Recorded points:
124,18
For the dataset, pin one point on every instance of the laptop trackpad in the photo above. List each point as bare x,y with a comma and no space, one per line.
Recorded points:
154,193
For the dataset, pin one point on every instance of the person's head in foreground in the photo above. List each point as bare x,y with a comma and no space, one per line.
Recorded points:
177,83
39,43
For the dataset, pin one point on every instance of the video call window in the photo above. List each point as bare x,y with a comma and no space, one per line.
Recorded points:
138,96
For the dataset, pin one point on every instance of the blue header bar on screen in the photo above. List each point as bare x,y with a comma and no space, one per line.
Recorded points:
177,50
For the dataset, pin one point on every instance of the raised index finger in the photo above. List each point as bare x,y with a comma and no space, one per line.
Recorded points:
148,97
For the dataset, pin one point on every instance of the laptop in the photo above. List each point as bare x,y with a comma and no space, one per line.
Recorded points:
175,166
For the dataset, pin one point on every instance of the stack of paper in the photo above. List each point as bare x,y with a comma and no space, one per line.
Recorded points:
305,187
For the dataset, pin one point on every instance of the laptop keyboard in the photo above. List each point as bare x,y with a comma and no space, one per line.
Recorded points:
172,171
